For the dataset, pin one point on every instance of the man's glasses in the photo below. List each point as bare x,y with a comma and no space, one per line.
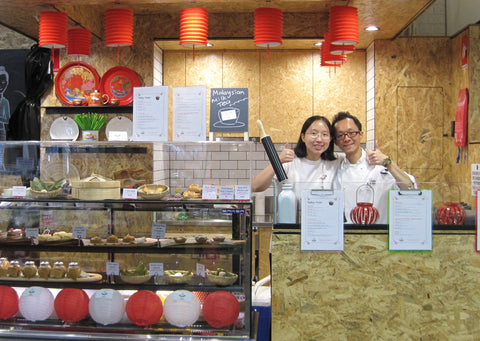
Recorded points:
350,134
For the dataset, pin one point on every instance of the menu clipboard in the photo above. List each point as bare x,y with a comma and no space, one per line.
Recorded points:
322,220
410,220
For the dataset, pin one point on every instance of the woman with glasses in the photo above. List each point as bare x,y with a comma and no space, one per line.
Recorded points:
365,167
311,164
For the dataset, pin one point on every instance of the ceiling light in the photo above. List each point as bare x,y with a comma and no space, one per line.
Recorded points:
319,43
371,28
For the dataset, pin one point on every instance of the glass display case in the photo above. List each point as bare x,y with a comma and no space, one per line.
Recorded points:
194,255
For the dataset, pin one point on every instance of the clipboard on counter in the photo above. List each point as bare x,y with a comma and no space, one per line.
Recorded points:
410,220
322,220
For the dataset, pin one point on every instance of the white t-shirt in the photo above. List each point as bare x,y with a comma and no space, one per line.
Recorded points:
303,173
351,176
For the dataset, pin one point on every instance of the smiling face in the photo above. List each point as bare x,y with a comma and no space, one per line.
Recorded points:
317,139
349,145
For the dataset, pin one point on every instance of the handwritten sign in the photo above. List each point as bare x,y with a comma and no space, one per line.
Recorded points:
229,110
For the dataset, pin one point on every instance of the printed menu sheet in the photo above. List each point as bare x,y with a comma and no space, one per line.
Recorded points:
322,220
410,220
150,113
190,113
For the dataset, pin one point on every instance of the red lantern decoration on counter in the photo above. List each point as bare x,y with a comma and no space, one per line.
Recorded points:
451,213
53,29
79,41
8,302
364,213
221,309
118,27
71,305
144,308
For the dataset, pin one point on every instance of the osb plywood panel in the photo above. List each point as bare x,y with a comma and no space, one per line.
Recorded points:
174,74
341,88
415,62
368,293
422,130
286,91
474,88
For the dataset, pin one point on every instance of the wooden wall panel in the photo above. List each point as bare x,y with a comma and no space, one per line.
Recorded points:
474,86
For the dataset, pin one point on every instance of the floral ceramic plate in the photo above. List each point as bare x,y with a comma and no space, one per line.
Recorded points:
118,82
76,80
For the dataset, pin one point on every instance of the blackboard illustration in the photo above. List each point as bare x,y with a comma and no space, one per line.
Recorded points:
229,110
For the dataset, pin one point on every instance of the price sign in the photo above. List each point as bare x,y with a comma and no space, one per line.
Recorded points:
129,193
31,232
200,270
19,191
113,269
226,192
209,192
242,192
155,269
79,232
158,231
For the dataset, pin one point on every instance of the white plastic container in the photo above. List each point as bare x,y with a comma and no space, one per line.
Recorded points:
287,205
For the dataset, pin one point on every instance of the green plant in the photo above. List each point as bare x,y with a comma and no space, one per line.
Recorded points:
90,121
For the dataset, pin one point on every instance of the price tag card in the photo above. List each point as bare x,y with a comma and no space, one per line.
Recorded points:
242,192
19,191
129,193
209,192
158,230
200,270
155,269
226,192
31,232
114,135
113,269
79,232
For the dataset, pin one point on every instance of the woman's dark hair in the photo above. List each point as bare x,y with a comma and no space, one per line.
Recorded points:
301,149
343,115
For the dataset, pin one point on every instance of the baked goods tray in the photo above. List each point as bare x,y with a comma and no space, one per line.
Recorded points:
143,241
34,241
86,277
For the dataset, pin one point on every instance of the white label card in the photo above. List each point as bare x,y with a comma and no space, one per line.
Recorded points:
155,269
209,192
117,135
79,232
129,193
113,268
158,230
31,232
242,192
19,191
200,270
226,193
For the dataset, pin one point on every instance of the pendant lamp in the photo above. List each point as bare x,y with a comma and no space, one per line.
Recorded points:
118,27
343,25
193,27
79,42
53,29
268,27
329,59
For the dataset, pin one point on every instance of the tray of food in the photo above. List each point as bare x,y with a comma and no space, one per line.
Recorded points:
114,240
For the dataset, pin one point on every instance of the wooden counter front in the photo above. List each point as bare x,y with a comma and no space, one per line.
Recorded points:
368,293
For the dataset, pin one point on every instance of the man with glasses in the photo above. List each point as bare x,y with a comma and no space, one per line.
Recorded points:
365,167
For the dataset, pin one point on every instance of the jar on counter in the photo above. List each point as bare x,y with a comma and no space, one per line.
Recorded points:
14,269
44,270
287,205
29,269
73,271
58,270
4,263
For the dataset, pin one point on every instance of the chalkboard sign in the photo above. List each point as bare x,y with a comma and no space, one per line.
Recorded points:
229,110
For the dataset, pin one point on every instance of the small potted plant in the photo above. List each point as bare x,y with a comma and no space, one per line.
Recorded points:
90,124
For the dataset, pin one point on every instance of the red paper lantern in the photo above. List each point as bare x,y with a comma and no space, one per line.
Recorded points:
328,59
451,213
193,27
118,27
268,27
8,302
341,49
71,305
53,29
144,308
343,25
221,309
79,41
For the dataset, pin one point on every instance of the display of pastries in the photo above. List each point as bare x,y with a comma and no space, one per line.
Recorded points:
193,192
112,239
128,239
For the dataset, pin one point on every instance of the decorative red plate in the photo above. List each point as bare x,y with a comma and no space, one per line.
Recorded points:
76,80
118,82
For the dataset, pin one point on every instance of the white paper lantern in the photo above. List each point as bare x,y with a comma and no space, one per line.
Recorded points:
181,308
36,304
106,306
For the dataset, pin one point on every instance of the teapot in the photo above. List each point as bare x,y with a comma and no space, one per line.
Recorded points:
364,213
96,98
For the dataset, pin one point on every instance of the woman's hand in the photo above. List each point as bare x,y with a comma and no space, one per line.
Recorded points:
287,154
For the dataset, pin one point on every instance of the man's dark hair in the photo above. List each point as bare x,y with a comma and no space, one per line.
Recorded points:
343,115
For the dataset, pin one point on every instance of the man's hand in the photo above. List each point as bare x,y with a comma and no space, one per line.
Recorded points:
376,157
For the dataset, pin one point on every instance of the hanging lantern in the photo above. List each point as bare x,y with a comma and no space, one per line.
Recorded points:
341,49
328,59
221,309
71,305
53,29
8,302
36,304
364,213
118,27
106,306
144,308
193,27
268,27
343,25
181,308
79,41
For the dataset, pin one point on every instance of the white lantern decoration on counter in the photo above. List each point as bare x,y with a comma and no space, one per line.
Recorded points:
181,308
106,306
36,304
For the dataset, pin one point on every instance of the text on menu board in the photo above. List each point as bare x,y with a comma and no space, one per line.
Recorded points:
229,110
